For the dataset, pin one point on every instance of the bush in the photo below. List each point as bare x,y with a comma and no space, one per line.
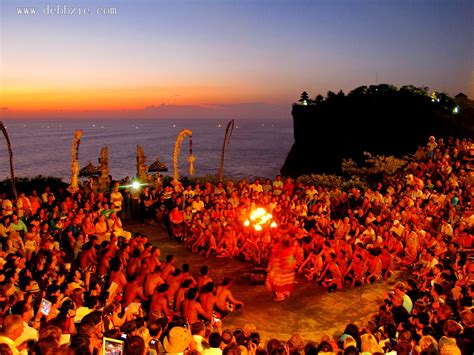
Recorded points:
193,180
377,166
331,181
37,183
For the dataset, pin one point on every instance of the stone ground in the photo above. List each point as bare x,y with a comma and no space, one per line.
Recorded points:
310,311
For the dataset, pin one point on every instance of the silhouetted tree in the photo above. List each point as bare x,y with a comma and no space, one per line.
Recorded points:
382,89
360,91
445,101
387,88
413,90
319,98
330,95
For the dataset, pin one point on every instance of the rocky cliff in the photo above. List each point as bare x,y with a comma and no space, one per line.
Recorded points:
379,119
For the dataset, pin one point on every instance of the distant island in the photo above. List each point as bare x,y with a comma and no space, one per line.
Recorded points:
380,119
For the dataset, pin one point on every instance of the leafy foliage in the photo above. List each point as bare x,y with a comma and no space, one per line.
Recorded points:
378,165
193,180
37,183
331,181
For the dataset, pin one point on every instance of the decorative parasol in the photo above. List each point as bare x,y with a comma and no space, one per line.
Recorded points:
157,166
89,170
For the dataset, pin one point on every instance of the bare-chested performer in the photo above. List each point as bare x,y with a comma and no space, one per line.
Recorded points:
331,276
224,298
312,266
174,281
155,258
152,281
117,275
168,267
180,295
205,243
375,268
228,244
134,290
192,309
135,262
355,272
387,263
104,263
203,279
208,298
159,303
88,257
187,275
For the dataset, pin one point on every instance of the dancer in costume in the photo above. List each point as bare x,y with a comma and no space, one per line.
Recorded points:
281,270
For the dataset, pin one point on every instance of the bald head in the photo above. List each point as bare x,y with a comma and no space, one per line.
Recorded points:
13,326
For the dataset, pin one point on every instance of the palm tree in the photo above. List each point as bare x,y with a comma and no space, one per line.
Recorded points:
228,134
10,154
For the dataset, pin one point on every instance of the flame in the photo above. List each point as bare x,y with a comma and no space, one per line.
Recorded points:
256,214
258,218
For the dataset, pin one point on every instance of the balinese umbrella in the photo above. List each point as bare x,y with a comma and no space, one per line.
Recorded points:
89,170
157,166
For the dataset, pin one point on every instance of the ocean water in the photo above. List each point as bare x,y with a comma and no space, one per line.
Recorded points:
43,147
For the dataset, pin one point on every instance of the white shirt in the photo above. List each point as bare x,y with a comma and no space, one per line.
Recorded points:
198,341
407,303
311,193
212,351
10,343
29,333
116,198
197,206
277,187
189,193
7,207
256,188
398,230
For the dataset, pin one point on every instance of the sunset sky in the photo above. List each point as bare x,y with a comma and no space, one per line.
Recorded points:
223,58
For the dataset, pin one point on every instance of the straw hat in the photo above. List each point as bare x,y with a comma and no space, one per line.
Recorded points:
177,340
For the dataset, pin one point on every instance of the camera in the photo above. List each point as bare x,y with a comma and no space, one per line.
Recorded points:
45,306
153,344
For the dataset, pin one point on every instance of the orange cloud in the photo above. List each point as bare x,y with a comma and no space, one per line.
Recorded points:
130,98
223,111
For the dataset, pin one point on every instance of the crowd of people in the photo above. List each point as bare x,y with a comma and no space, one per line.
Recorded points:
73,280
